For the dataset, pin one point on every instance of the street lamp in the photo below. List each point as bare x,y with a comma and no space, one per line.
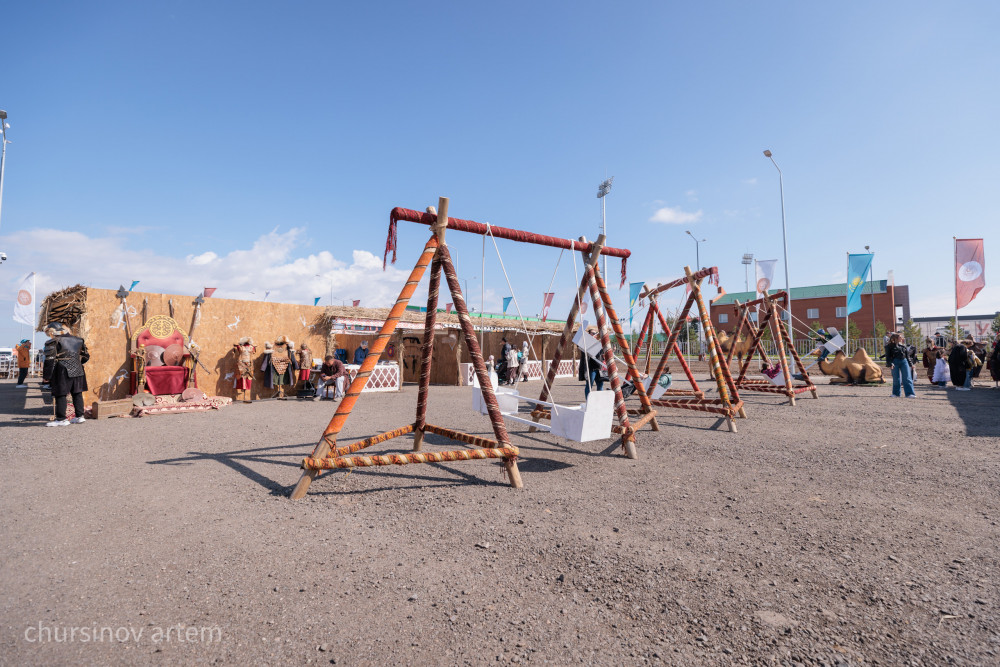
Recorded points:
602,191
697,261
747,261
784,240
331,288
3,152
697,245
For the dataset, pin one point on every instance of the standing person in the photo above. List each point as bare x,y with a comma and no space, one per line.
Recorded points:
361,353
958,359
333,373
23,362
68,376
513,364
897,354
994,362
940,376
930,358
49,354
971,364
591,370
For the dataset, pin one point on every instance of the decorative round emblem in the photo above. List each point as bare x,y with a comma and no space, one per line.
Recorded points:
967,272
24,297
856,282
762,285
161,327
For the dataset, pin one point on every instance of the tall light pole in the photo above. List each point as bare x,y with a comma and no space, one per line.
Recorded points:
602,191
3,152
784,241
331,288
697,261
697,253
747,261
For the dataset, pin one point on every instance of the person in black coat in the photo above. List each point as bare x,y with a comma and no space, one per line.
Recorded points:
958,364
68,377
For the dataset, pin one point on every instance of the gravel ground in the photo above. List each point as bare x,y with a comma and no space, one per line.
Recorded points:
854,529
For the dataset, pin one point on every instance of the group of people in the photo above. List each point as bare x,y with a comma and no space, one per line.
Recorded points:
960,363
513,363
62,371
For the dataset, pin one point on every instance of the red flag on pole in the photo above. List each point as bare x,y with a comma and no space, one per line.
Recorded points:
970,265
356,302
447,307
209,291
547,301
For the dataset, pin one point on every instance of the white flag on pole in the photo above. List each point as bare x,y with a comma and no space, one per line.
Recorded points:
24,304
765,276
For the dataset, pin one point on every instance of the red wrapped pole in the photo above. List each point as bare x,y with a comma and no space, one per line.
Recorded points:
473,227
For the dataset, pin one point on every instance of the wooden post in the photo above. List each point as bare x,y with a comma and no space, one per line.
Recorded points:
329,437
427,350
399,358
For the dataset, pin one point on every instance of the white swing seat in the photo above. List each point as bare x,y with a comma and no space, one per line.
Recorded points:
658,391
582,423
586,422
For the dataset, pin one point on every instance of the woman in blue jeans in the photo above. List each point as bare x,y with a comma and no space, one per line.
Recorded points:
902,372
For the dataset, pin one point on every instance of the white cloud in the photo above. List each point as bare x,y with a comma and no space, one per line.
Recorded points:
692,195
63,258
203,258
673,215
750,181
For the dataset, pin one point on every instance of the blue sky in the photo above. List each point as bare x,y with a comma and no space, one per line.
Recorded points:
250,146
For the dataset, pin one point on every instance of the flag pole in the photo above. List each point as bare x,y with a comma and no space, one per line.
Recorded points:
954,269
847,309
34,318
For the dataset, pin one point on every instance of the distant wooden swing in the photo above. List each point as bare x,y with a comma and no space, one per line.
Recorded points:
728,404
784,383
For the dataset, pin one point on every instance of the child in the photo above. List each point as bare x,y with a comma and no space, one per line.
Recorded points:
941,372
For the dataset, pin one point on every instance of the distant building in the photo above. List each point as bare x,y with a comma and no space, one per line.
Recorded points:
977,326
826,305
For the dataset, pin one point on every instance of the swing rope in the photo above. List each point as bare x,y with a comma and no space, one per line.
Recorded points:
517,307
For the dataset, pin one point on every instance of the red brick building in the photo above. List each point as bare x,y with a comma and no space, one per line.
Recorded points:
827,306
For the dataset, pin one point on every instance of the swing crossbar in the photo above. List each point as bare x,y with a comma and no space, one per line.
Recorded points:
697,275
521,236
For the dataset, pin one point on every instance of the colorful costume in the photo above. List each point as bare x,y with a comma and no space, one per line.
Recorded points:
244,351
279,365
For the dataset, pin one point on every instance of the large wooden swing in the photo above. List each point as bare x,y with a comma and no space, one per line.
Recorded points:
771,320
328,456
728,404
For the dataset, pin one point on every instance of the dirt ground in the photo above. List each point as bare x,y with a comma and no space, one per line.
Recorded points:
851,530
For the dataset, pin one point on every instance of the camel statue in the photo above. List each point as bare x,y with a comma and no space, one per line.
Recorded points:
726,341
858,369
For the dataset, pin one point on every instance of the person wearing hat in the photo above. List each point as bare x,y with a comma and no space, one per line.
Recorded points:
23,362
68,376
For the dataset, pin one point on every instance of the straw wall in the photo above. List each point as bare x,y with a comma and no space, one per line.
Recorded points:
223,322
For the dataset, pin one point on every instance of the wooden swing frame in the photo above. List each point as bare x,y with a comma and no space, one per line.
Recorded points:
771,320
728,404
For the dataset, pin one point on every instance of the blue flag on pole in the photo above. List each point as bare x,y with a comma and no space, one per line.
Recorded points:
858,267
633,295
316,301
506,302
134,283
